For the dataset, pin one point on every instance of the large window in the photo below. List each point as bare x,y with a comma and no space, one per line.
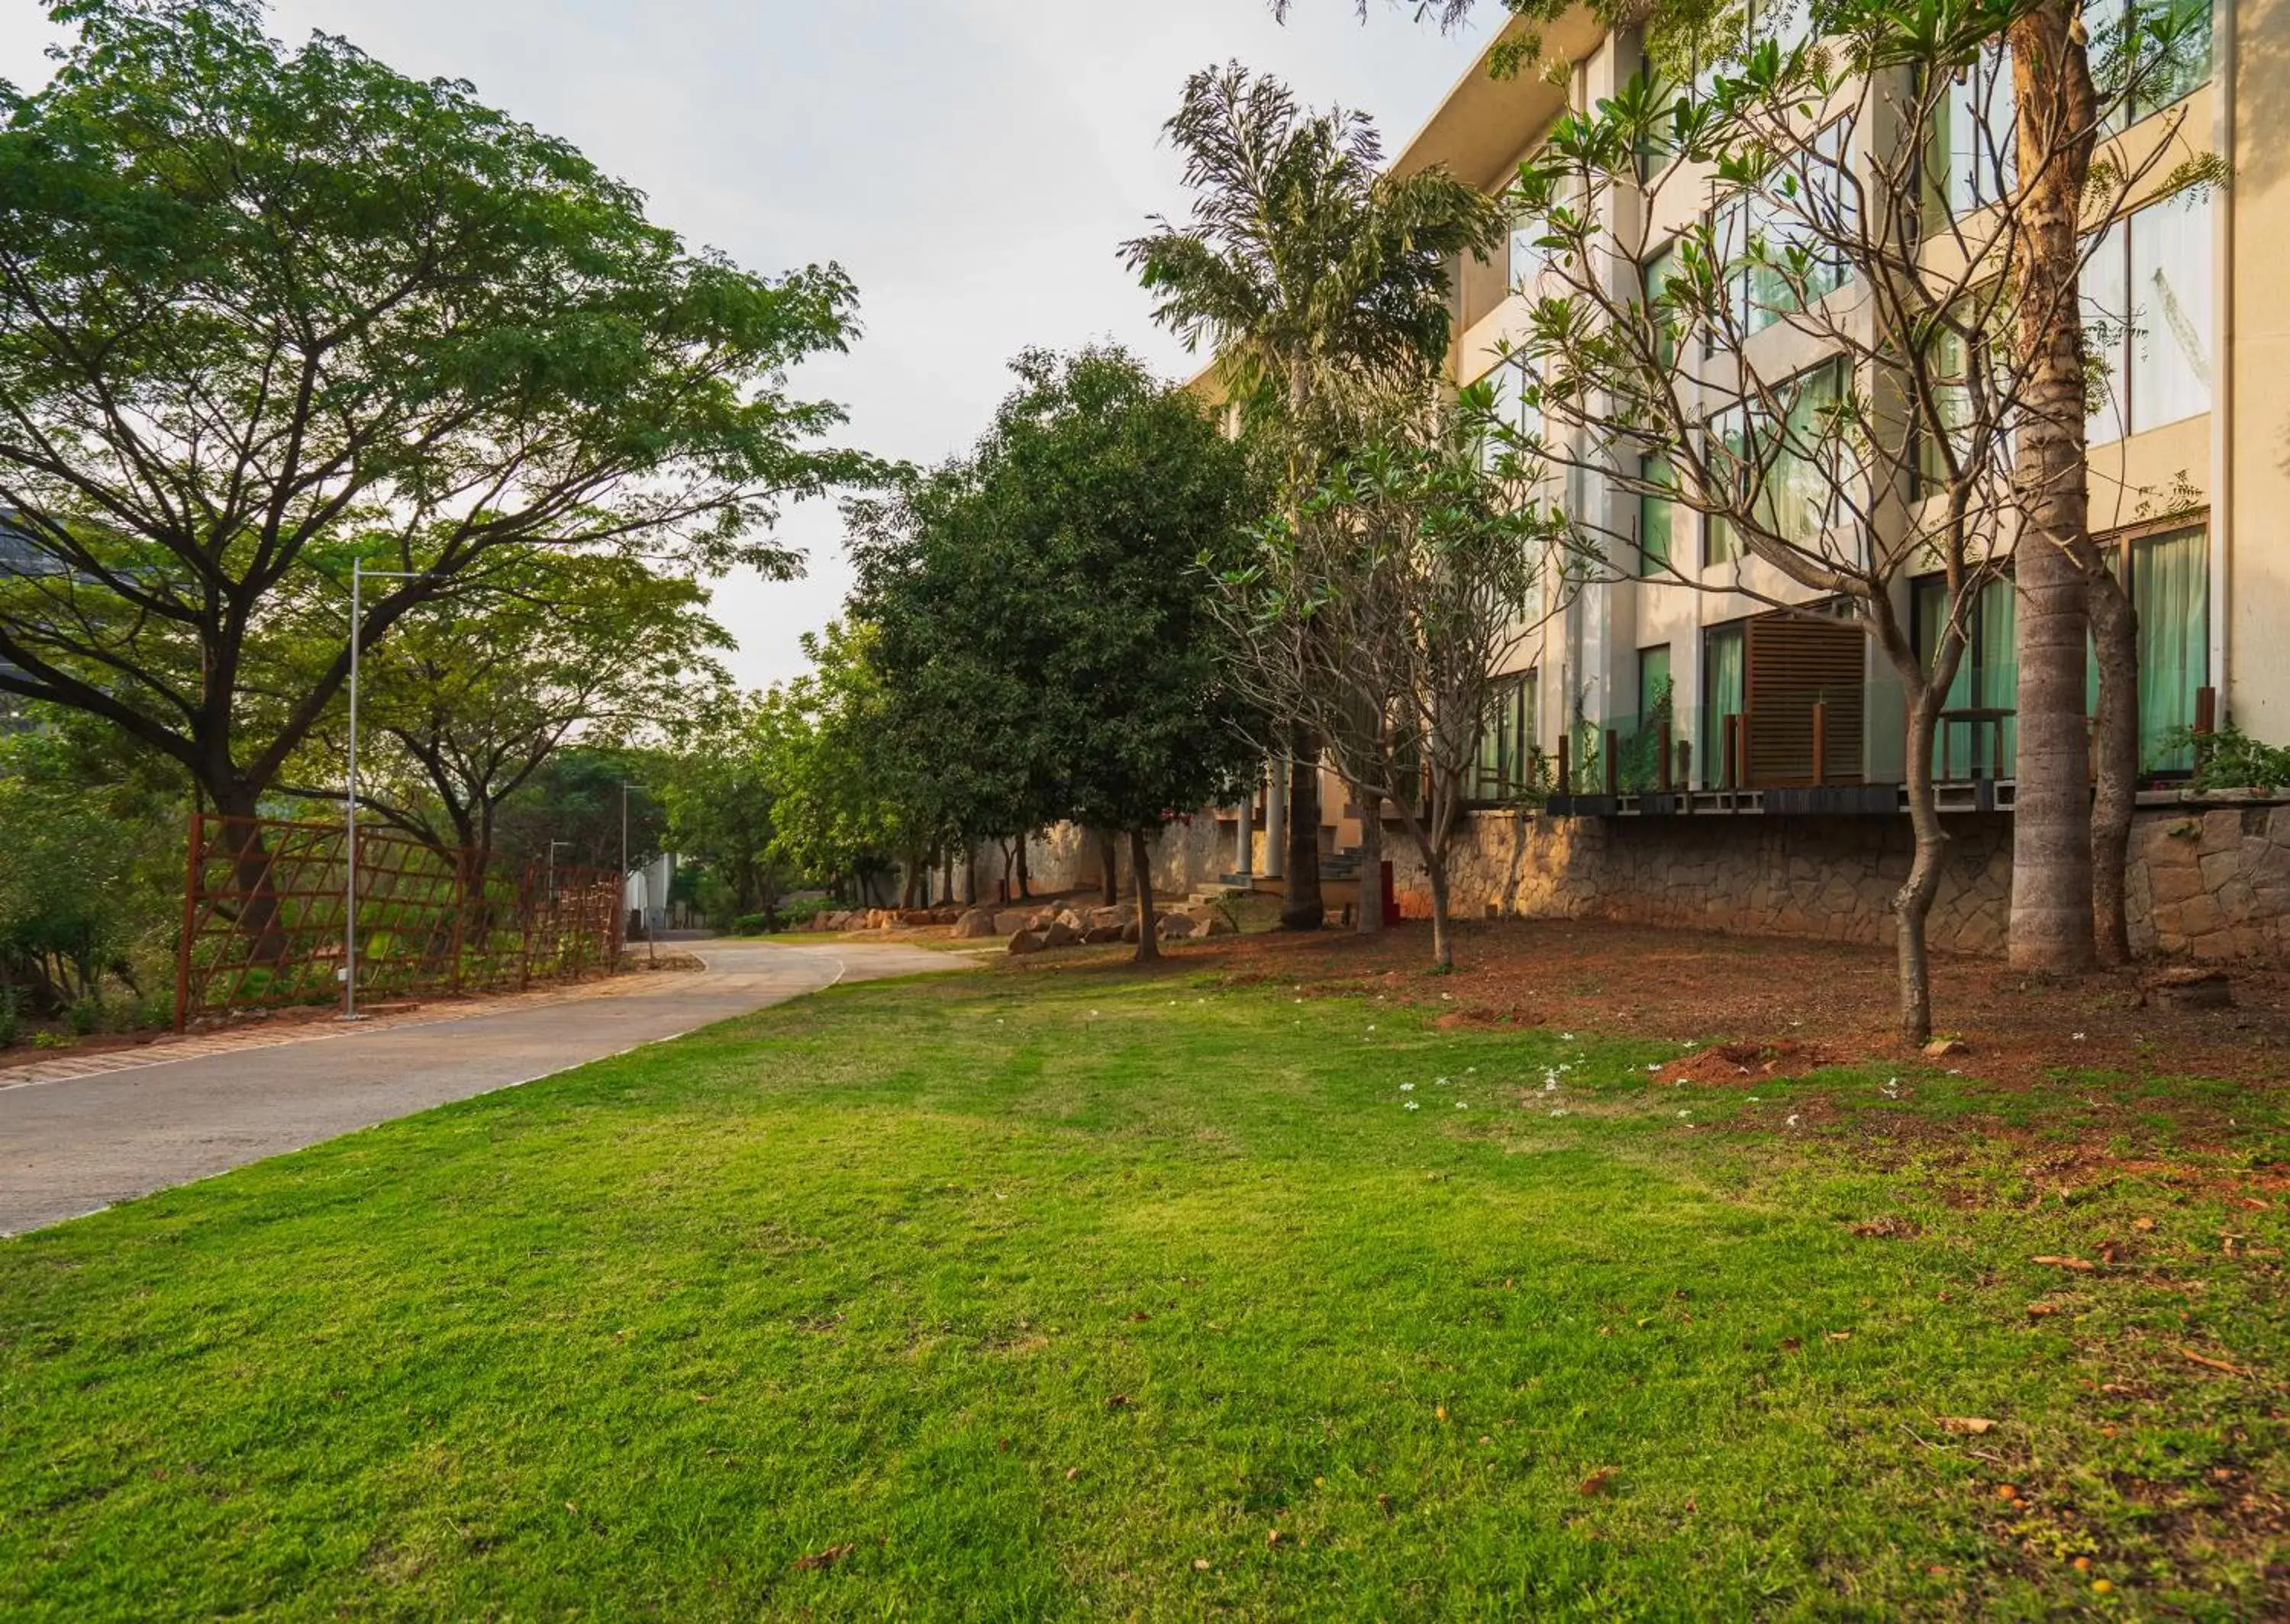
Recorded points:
1505,771
2158,51
1987,677
1653,685
1657,516
1723,672
1654,276
1971,160
2170,589
2148,317
1797,470
1805,204
1527,257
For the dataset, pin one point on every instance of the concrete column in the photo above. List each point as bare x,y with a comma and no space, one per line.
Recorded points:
1244,845
1276,821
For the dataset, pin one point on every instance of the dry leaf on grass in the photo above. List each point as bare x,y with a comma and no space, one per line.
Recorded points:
1596,1482
2215,1364
827,1558
2041,1310
1970,1426
2078,1264
2143,1223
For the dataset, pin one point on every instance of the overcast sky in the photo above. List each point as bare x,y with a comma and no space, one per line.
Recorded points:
972,163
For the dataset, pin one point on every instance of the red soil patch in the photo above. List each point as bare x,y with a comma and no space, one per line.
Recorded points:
1835,1000
1743,1064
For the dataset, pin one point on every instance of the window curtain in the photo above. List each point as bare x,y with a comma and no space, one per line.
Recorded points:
2170,588
1722,689
1657,517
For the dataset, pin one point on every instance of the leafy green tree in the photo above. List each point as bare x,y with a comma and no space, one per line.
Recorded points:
1417,568
475,692
1310,272
721,798
571,810
1099,494
847,803
264,311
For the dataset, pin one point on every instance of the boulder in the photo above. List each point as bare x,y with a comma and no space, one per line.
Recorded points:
1010,919
1026,942
1129,933
912,919
975,924
1179,927
1059,935
2190,987
1947,1049
1114,917
1214,924
1073,921
1100,935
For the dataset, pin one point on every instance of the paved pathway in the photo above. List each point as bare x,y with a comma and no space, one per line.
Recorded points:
74,1144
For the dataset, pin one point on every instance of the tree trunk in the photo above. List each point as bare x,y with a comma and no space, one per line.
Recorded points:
1912,903
252,879
1025,893
2052,894
1304,909
1442,933
1141,867
1109,868
1367,917
2115,632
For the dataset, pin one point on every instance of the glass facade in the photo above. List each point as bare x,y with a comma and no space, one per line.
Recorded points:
1657,517
2147,311
1506,767
2170,590
1724,671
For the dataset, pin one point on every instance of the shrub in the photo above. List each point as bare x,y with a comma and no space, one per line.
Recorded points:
751,924
2231,759
12,1002
83,1016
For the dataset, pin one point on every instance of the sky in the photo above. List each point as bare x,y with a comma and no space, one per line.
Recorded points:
972,165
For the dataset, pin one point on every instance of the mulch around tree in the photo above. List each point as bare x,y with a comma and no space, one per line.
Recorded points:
1833,1000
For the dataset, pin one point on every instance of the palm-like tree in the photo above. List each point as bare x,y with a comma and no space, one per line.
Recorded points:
1310,272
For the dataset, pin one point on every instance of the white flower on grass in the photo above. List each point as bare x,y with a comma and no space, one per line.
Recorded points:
1792,1121
2079,1037
1753,1100
1566,1037
1685,1112
1550,1085
1371,1026
1653,1065
1412,1106
1461,1106
1470,1071
1442,1082
1558,1113
1407,1088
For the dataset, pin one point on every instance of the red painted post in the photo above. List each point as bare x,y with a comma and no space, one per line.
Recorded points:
1665,777
1565,772
1820,742
193,866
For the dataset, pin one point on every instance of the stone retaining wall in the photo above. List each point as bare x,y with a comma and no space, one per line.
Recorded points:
1186,855
2206,882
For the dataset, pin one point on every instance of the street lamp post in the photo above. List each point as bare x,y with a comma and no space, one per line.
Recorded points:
652,949
359,575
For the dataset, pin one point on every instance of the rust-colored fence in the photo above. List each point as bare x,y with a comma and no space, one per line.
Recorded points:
264,906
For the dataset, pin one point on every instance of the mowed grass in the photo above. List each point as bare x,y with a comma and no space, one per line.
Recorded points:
1018,1296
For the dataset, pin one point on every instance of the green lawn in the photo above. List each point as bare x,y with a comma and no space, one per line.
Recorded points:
1057,1296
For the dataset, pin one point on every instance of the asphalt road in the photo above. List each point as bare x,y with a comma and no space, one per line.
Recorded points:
76,1145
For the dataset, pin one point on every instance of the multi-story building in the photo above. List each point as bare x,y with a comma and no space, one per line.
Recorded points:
1799,826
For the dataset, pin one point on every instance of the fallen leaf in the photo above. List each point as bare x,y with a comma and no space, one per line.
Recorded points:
705,1399
2254,1202
827,1558
1441,1411
2064,1262
2143,1223
1272,1536
1596,1482
2007,1490
1072,1472
1200,1565
1119,1401
1840,1336
1790,1344
1970,1426
1383,1504
2216,1364
2040,1310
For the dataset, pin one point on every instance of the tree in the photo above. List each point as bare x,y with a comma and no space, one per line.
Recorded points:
1305,266
575,808
264,311
846,803
1119,490
1902,448
538,648
721,798
1415,569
